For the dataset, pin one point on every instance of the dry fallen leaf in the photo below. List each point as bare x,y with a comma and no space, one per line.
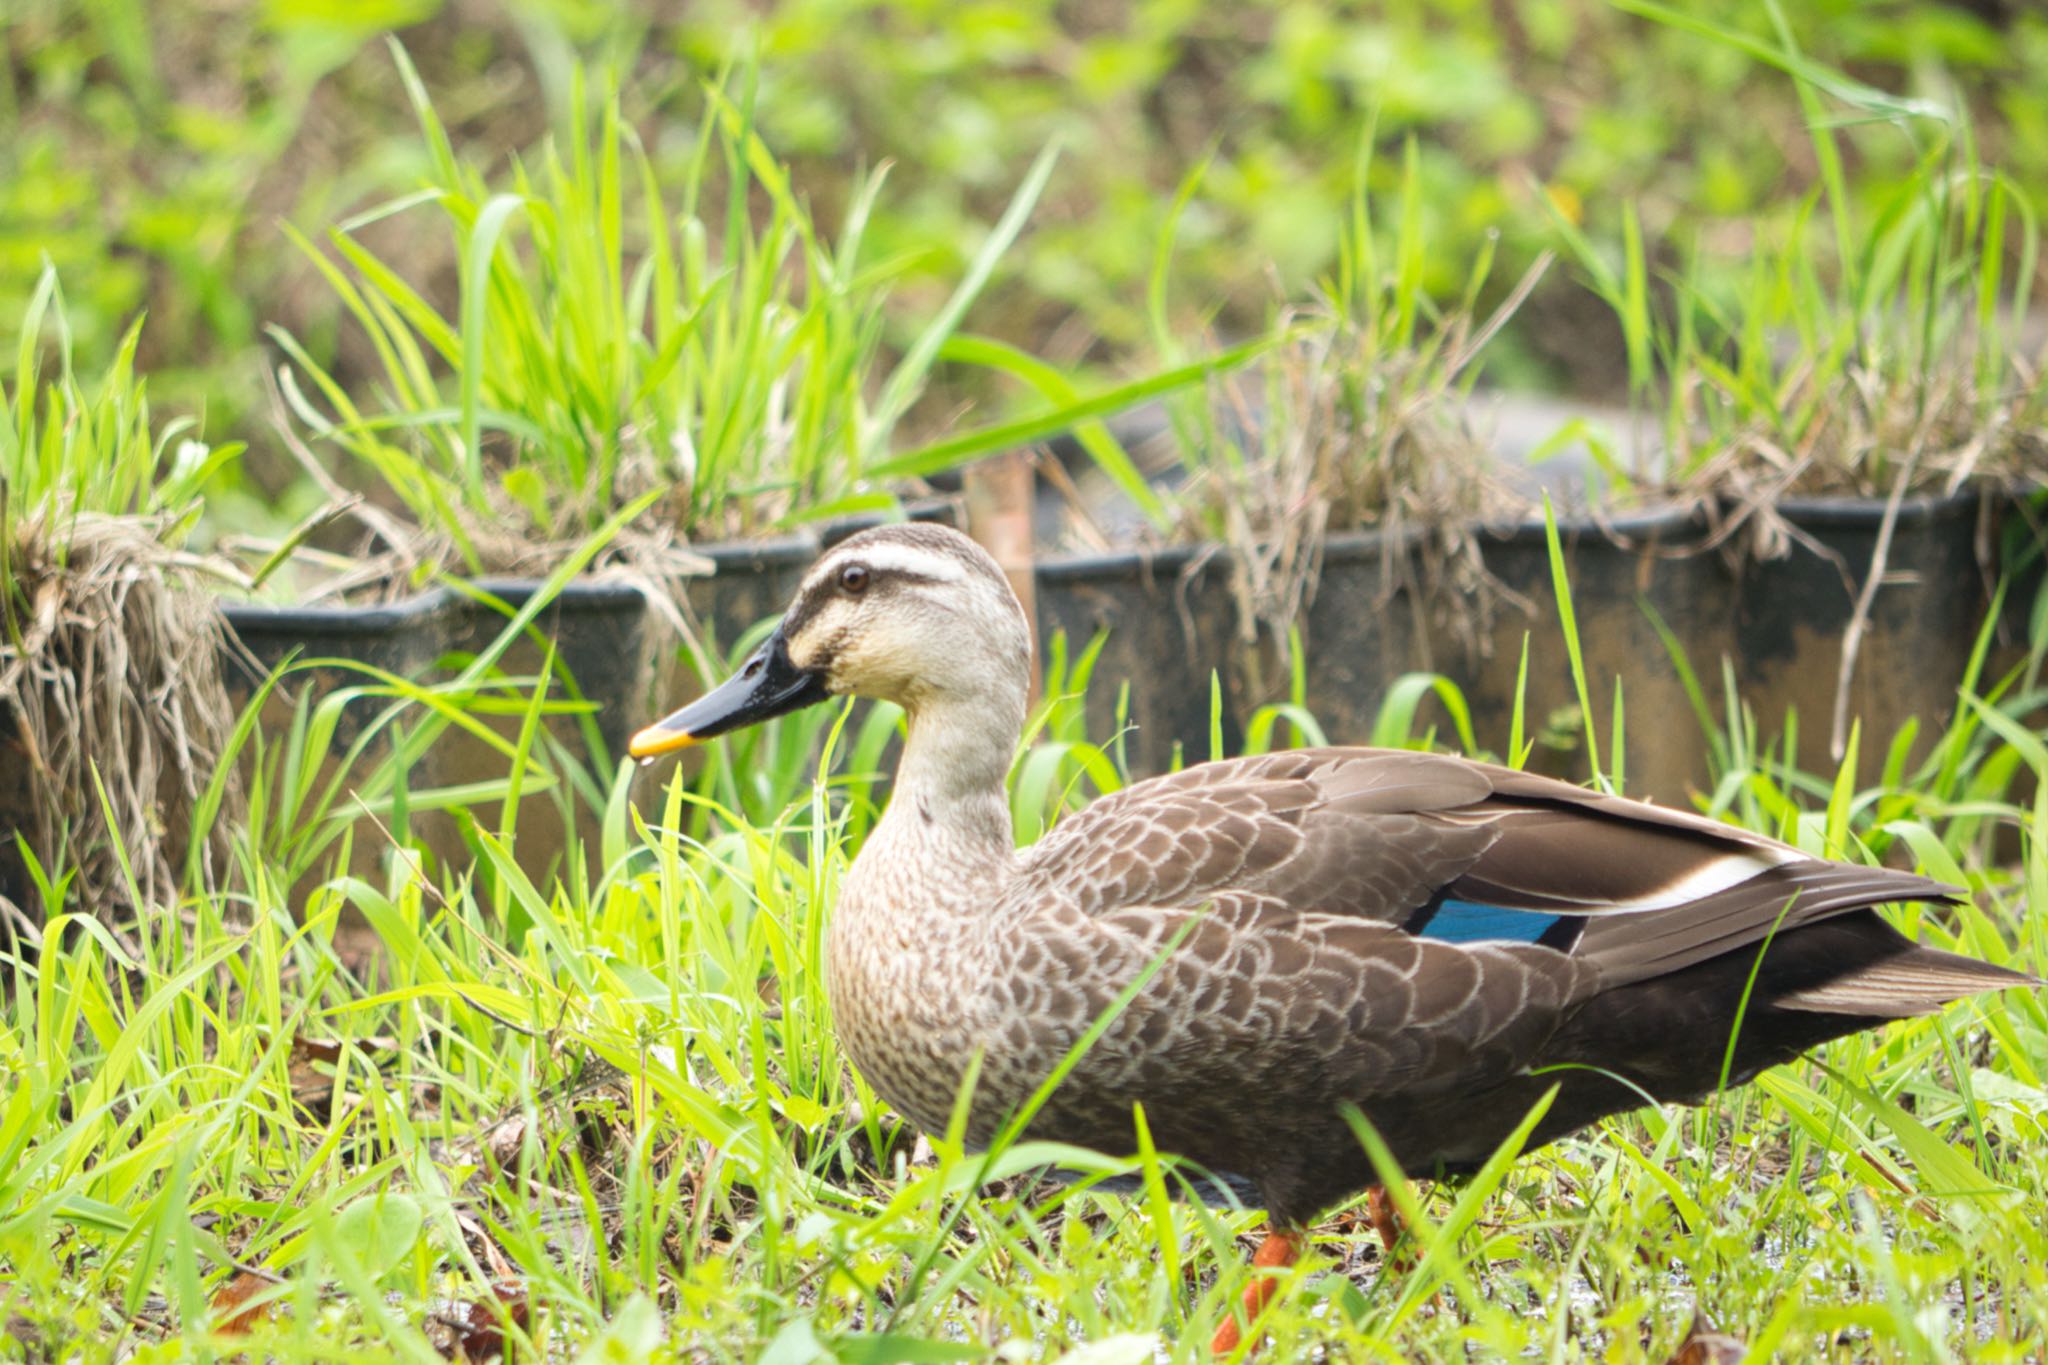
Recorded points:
311,1050
474,1331
481,1242
1705,1346
233,1314
310,1069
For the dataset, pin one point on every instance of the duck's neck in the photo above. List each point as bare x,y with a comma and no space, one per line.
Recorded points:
950,783
947,826
905,949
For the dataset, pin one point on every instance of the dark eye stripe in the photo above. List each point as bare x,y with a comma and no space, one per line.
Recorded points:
807,604
811,599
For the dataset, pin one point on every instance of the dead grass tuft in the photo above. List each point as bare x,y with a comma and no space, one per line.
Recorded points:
114,712
1869,435
1338,430
396,556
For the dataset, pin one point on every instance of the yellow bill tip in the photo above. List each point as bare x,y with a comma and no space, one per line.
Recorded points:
657,740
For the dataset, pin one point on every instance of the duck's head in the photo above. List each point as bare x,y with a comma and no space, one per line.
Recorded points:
914,614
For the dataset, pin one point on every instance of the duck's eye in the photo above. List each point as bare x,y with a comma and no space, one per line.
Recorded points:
853,578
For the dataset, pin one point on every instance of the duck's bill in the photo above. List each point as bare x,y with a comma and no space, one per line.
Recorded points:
767,685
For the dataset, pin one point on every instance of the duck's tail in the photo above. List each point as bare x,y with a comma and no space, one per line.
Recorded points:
1913,982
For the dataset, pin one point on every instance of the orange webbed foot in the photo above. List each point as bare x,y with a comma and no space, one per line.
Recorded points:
1386,1221
1280,1250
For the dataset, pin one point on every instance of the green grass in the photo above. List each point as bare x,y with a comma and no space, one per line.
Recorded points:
73,445
617,332
1860,338
615,1095
158,147
1353,416
378,1083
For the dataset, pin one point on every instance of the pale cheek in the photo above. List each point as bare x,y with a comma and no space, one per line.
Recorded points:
824,638
871,670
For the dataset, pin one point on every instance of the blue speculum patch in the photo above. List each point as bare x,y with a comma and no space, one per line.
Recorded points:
1470,922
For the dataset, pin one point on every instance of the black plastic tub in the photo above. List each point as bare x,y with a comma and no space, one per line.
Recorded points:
1645,593
1171,622
1361,632
609,649
598,632
599,635
2021,537
600,629
750,581
1794,613
328,648
1628,576
403,638
1372,621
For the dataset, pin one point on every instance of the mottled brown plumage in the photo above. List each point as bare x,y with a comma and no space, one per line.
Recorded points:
1426,939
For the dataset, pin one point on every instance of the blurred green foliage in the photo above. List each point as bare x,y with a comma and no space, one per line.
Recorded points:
149,150
623,332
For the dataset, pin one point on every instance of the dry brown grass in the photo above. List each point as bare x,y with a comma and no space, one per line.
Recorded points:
115,715
1869,436
394,555
1334,444
1345,426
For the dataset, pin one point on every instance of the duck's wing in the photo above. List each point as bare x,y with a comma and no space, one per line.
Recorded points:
1437,942
1340,829
1242,1009
1453,851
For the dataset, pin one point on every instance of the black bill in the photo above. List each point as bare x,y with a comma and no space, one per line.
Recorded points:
767,685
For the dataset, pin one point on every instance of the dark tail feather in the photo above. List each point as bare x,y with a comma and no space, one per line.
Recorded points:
1916,981
1817,982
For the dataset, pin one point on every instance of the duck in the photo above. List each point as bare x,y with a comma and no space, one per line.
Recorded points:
1299,939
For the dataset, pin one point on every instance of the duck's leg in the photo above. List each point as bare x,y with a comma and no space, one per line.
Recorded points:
1386,1219
1281,1249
